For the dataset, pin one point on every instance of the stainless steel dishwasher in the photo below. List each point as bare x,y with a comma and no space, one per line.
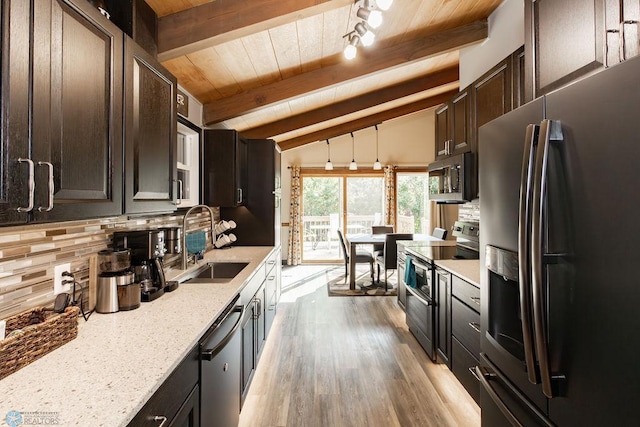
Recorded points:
220,367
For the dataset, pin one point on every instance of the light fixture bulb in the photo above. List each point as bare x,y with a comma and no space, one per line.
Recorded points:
384,4
328,166
351,50
377,165
372,17
366,36
353,166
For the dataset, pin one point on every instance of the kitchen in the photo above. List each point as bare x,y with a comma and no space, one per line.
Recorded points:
83,239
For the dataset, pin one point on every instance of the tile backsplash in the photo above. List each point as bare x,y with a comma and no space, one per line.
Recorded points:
29,254
469,211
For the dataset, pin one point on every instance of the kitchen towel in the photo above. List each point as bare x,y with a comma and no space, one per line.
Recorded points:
409,272
196,242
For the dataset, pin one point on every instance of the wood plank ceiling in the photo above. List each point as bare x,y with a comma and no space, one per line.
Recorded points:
275,68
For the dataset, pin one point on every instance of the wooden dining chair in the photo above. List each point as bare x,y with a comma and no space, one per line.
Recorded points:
361,257
389,258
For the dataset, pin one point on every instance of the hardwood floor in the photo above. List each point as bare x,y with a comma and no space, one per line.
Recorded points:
349,361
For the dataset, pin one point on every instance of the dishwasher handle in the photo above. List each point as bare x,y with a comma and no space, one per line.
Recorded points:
210,353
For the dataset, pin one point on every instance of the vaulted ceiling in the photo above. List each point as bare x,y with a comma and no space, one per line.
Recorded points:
275,68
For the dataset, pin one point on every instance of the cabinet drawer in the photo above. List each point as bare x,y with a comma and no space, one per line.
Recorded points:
168,399
271,262
466,292
466,326
462,366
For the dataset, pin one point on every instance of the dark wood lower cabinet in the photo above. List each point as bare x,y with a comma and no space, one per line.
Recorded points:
443,340
176,398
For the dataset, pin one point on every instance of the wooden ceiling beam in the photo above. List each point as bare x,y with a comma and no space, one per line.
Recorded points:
220,21
368,100
368,63
366,122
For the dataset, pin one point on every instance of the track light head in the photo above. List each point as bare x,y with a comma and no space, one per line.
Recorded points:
372,17
366,36
350,51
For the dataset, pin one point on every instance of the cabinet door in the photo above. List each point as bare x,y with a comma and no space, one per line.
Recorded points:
224,168
189,413
519,79
443,288
82,95
261,332
443,134
15,73
630,28
150,133
248,350
564,40
461,125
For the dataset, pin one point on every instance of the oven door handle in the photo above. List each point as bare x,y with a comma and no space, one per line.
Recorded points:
420,265
210,353
484,376
423,299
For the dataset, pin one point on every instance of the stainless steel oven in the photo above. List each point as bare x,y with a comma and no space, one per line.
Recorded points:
420,305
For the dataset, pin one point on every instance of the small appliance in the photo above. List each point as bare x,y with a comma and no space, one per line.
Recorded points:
147,248
117,289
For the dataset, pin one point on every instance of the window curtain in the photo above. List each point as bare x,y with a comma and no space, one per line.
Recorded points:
390,195
294,253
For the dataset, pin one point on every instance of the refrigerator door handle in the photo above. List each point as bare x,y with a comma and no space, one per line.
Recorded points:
524,225
484,376
549,130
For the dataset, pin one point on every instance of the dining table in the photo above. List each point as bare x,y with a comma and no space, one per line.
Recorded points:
354,241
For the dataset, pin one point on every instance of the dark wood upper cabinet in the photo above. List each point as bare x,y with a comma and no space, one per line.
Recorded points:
62,110
519,79
259,219
564,40
150,133
454,126
224,168
492,93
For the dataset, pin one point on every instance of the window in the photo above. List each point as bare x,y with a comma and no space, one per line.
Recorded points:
412,203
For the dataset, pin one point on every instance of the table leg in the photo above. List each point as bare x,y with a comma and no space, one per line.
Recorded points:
352,266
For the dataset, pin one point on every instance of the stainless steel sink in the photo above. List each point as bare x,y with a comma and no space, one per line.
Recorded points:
216,272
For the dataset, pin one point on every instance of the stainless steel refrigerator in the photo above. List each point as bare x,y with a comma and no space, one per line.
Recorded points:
560,210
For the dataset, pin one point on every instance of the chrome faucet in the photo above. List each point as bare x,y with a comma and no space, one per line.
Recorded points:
184,232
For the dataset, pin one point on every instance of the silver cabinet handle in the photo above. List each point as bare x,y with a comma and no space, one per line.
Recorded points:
239,195
524,245
31,184
50,187
475,326
160,418
476,300
472,369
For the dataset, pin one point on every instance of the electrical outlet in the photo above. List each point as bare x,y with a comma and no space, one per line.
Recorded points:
58,287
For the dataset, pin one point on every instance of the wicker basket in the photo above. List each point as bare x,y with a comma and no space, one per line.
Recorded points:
43,332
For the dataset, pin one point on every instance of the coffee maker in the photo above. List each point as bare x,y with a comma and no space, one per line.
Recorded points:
147,249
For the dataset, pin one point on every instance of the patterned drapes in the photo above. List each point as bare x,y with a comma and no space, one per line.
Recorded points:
390,195
294,252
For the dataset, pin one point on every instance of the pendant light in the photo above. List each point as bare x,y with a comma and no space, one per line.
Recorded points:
328,166
366,36
351,50
369,14
353,166
377,166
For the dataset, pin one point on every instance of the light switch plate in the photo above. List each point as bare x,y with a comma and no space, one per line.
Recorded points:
58,287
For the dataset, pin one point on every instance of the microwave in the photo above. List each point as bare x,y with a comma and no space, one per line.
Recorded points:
450,179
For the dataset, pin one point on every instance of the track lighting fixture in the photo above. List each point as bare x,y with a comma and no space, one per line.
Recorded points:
328,166
353,165
366,36
377,166
369,11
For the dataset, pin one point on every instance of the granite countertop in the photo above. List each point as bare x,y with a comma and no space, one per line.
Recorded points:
117,362
467,269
